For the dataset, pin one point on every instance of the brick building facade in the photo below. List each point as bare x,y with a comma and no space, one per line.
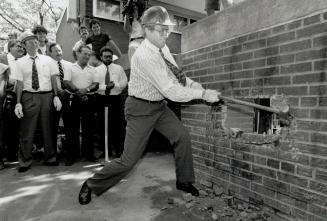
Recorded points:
287,55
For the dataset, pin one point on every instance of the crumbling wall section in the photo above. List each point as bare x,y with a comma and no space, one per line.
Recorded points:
288,171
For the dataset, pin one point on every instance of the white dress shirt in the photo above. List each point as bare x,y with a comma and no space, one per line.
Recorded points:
152,80
81,77
45,69
117,75
66,66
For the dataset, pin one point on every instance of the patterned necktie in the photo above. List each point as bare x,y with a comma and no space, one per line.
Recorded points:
175,70
61,74
107,80
35,77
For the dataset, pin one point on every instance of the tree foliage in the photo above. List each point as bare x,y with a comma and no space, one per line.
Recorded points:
20,15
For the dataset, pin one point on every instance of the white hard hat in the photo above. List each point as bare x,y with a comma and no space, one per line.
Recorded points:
156,15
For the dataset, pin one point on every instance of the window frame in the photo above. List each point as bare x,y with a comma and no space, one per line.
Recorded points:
95,14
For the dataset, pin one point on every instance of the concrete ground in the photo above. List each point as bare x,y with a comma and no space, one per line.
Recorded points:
51,193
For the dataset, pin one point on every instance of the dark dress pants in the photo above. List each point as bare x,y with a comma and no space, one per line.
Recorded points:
71,154
82,113
37,107
142,118
116,121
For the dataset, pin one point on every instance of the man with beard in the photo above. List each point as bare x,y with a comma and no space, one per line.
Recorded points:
112,80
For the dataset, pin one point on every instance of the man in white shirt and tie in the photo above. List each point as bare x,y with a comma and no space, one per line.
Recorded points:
36,97
153,79
64,67
112,81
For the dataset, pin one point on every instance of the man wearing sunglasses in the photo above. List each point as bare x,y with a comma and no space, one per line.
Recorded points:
154,77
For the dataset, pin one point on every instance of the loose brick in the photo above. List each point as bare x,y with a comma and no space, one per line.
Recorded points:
254,64
302,90
320,66
294,25
321,175
287,167
277,81
309,101
296,68
262,190
310,78
281,59
312,20
319,162
318,114
312,30
295,46
278,39
264,72
273,163
292,179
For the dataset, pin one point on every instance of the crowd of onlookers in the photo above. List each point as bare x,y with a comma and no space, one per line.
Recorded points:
41,95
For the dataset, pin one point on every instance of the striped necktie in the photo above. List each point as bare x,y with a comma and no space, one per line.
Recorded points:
35,77
175,70
107,80
61,74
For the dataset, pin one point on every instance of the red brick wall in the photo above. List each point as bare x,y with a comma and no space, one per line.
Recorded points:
286,172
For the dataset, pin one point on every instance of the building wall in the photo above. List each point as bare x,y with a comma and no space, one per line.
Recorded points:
262,48
67,35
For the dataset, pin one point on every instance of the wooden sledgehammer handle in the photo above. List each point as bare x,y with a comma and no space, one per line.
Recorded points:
258,106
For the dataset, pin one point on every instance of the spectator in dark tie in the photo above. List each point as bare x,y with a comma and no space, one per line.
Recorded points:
36,99
64,67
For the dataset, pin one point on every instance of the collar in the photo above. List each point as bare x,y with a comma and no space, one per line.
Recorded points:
10,57
150,45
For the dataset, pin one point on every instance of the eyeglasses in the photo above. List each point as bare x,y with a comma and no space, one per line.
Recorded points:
162,31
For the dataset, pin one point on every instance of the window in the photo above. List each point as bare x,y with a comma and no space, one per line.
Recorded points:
180,22
265,122
108,9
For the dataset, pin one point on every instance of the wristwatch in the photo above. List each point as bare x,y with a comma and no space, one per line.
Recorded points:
88,90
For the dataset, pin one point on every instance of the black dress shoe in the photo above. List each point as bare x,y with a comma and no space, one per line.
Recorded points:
53,164
23,169
188,188
84,196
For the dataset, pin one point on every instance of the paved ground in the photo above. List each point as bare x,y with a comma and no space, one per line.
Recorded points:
50,193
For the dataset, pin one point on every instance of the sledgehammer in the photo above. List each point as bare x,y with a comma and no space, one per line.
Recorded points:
277,102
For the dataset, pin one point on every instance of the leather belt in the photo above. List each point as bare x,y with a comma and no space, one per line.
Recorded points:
147,101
